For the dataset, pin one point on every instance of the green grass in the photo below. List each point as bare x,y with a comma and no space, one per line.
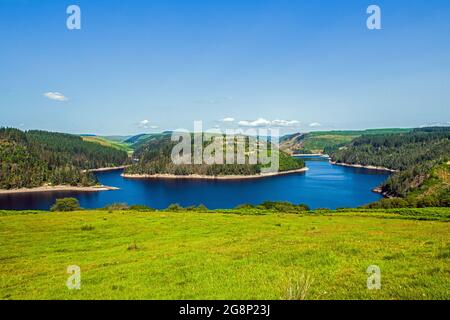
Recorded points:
225,255
109,143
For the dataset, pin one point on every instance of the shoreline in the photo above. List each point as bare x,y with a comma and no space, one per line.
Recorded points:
363,167
58,188
204,177
306,155
106,169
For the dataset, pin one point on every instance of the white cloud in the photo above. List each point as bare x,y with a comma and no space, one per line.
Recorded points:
285,123
144,124
315,124
55,96
229,119
261,122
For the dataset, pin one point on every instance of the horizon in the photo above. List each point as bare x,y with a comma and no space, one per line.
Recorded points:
191,131
159,66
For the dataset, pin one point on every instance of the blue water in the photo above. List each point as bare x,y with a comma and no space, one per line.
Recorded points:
323,186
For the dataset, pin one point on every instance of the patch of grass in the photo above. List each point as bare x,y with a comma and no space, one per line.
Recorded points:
109,143
87,228
132,246
299,286
224,255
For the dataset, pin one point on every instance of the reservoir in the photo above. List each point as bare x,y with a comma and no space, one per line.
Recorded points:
323,186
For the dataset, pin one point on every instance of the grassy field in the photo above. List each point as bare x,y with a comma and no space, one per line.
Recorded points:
225,255
109,143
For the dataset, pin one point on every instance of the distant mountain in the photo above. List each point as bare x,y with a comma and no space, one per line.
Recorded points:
116,138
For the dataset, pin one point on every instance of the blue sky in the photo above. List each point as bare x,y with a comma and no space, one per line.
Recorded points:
142,66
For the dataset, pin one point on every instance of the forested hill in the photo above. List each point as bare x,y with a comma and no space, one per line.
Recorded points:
396,151
34,158
154,156
317,141
420,156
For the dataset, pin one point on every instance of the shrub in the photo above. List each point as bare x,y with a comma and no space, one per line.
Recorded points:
174,207
284,207
141,208
65,205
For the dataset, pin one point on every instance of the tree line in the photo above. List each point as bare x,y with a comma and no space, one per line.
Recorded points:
419,157
34,158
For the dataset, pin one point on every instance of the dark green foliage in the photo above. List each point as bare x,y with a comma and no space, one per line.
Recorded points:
34,158
65,205
155,158
284,207
276,206
397,151
142,208
415,155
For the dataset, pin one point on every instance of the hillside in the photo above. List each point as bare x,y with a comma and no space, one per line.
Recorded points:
154,154
104,141
317,142
34,158
225,255
420,156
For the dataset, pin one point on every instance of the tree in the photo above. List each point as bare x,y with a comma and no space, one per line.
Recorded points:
65,205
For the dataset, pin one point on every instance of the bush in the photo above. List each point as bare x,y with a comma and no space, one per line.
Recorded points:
143,208
65,205
284,206
174,207
276,206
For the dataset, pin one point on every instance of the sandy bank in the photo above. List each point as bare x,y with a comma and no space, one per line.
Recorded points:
203,177
305,155
58,188
106,169
363,167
